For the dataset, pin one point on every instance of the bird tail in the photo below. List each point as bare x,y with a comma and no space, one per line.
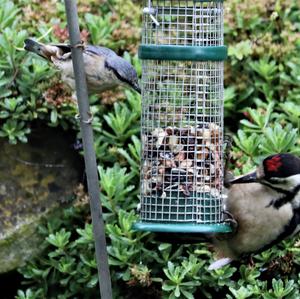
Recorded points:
45,51
220,263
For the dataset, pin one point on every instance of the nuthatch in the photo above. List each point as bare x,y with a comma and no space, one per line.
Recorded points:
104,68
266,206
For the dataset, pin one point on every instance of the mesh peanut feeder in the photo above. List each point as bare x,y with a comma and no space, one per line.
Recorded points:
182,55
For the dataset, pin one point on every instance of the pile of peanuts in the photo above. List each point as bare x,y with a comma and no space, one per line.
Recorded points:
183,160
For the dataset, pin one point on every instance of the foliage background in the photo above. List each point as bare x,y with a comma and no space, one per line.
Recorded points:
262,111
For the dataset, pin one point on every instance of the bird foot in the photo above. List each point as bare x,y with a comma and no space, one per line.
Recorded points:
251,262
231,221
81,44
228,177
233,225
88,121
226,157
228,140
227,148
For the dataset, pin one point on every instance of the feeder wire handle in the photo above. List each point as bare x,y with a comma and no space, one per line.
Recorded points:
151,11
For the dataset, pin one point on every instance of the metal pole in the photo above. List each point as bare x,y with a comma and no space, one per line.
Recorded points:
89,152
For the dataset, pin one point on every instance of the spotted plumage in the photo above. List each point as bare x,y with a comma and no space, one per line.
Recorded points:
266,207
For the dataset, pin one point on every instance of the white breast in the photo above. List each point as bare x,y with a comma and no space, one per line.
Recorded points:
98,77
259,223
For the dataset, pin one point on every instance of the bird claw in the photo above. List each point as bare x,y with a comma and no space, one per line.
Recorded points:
228,177
88,121
231,221
233,225
226,156
251,262
228,140
81,44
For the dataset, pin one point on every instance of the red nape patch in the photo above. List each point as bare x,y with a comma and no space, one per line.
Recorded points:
274,163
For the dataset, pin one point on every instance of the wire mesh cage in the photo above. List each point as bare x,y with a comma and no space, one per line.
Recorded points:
181,22
182,56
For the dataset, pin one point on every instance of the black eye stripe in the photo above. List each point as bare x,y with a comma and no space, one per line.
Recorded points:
277,181
288,196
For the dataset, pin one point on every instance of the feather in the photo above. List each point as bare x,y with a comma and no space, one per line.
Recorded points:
220,263
104,68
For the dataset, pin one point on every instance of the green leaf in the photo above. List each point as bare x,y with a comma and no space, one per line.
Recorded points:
240,50
53,116
60,239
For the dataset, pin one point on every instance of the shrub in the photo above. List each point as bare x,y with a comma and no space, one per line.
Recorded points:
261,110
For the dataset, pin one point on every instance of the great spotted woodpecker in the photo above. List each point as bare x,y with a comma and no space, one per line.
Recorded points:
266,206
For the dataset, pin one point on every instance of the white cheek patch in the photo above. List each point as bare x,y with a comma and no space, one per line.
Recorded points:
288,183
294,180
296,200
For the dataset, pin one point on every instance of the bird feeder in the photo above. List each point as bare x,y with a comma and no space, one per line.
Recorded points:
182,55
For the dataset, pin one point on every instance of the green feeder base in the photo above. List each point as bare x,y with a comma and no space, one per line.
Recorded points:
182,227
181,233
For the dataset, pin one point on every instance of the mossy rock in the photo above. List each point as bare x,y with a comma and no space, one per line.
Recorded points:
36,179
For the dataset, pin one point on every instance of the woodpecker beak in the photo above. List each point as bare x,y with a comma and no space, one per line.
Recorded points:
248,178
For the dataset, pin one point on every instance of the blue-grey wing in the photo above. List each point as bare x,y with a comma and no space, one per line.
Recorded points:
122,69
100,51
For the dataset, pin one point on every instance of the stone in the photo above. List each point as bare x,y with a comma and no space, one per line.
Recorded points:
36,179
